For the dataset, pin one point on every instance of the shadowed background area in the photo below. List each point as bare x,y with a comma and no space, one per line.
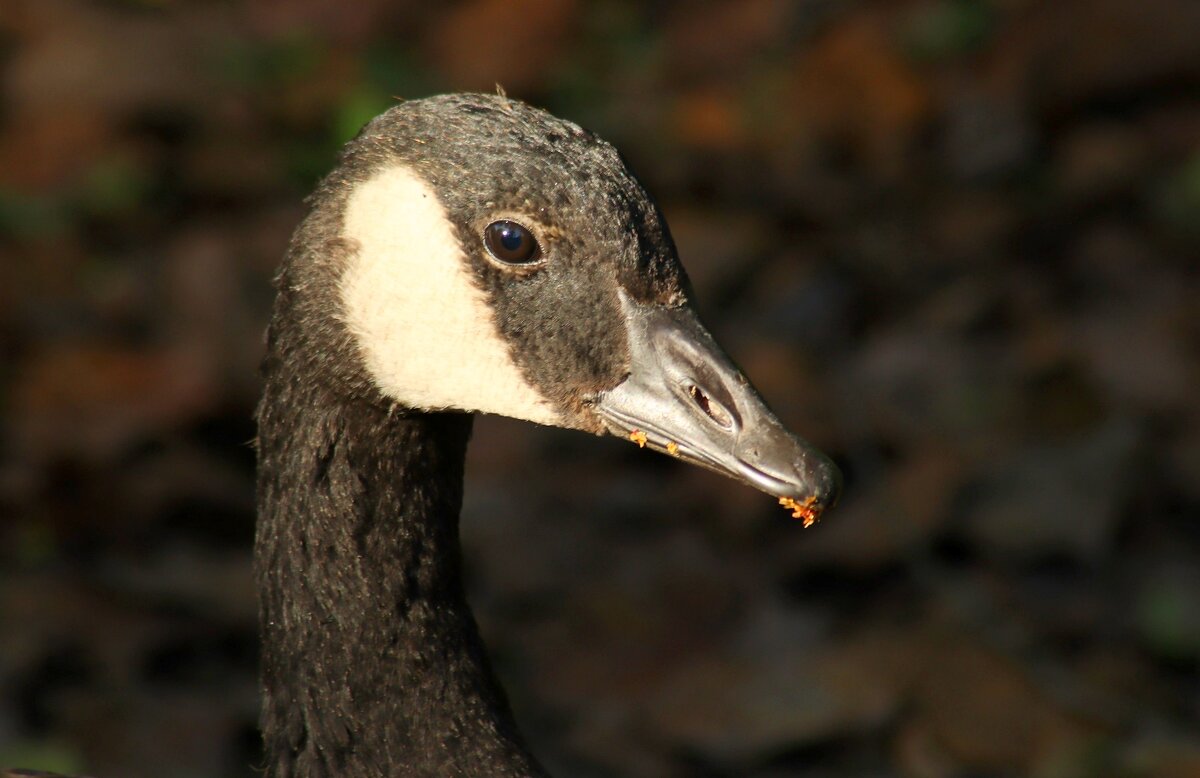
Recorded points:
954,242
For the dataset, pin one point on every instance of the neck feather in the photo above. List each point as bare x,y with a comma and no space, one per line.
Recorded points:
372,662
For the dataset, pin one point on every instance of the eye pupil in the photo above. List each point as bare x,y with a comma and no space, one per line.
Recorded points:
511,239
511,243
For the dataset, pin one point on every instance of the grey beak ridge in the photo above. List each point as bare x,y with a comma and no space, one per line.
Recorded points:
684,396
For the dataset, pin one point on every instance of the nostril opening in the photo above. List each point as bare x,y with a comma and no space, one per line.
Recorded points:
712,410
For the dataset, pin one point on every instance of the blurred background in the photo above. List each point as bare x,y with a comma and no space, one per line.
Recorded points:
954,242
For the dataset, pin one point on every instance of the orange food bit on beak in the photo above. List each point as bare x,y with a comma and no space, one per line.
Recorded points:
672,449
806,510
638,437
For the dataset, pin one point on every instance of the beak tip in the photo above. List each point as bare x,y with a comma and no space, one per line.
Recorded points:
828,482
816,488
817,492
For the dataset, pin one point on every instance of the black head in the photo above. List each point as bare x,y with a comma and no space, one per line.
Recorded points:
489,257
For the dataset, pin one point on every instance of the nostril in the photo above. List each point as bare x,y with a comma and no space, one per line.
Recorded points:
711,409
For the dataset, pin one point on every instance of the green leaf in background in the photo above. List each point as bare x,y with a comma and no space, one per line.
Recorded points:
114,185
259,64
390,70
31,217
946,28
356,108
44,755
1178,200
1168,614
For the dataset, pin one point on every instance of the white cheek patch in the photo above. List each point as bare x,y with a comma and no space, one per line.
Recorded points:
425,331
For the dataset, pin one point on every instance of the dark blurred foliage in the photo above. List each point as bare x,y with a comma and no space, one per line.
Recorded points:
955,242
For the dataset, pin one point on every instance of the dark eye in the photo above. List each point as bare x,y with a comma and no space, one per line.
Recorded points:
511,243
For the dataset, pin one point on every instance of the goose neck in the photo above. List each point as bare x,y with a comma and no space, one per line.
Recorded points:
372,662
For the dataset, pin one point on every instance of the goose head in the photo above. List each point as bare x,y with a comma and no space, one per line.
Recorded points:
491,258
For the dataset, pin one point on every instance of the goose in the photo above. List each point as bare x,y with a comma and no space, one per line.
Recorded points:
469,254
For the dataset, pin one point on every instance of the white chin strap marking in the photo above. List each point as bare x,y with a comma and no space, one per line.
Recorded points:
426,333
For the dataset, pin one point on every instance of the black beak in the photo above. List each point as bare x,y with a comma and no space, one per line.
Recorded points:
685,397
